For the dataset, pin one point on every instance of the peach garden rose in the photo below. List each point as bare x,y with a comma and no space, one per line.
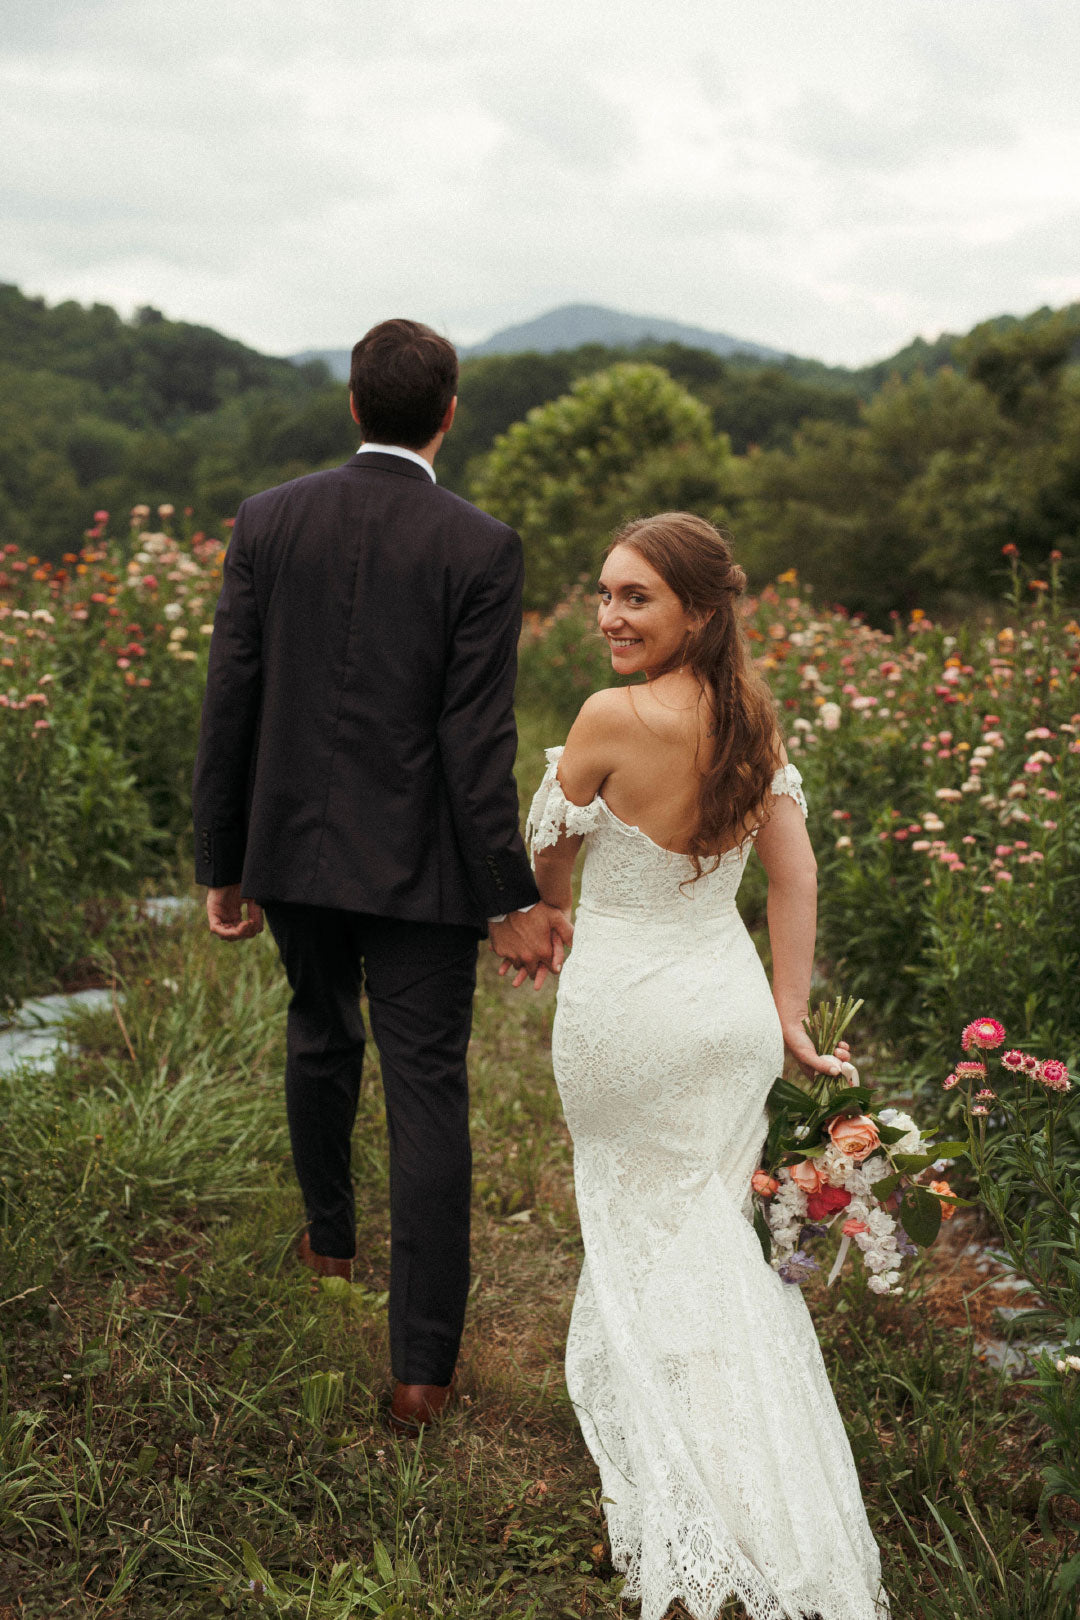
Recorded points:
807,1177
857,1135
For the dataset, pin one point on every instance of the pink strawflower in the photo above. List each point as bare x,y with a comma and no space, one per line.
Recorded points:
979,1108
986,1095
1013,1059
950,1080
1053,1075
971,1069
983,1032
1029,1064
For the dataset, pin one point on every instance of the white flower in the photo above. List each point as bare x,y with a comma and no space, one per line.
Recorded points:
830,714
173,610
912,1140
837,1166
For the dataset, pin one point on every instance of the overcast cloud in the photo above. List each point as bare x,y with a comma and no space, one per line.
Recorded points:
828,177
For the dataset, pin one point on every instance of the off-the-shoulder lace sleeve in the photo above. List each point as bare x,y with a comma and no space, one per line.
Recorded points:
551,813
789,780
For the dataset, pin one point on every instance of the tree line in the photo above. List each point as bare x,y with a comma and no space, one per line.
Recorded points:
886,487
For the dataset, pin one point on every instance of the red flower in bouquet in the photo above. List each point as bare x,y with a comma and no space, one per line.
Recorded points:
826,1202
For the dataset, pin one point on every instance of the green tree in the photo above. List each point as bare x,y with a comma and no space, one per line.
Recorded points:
599,455
893,510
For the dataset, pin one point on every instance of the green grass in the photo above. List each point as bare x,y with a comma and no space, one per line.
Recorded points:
191,1426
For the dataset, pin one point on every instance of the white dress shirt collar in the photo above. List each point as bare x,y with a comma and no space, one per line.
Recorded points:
398,450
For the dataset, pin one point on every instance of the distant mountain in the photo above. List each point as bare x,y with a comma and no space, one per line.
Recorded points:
572,326
576,324
336,361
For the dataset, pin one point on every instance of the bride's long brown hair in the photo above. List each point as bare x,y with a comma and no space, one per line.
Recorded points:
742,752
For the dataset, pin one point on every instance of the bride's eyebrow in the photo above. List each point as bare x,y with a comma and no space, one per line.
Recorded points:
626,586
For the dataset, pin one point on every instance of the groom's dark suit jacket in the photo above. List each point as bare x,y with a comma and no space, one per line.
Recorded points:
358,733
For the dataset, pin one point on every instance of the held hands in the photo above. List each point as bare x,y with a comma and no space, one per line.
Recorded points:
225,914
534,942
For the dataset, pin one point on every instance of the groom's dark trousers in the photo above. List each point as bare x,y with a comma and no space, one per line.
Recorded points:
354,775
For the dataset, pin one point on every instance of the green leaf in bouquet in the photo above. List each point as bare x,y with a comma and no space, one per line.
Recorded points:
950,1150
920,1213
890,1133
887,1185
792,1098
801,1147
761,1227
909,1164
852,1100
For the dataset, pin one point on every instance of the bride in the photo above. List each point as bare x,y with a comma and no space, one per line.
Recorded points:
694,1371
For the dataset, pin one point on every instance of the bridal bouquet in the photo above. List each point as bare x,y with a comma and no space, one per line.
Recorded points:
833,1160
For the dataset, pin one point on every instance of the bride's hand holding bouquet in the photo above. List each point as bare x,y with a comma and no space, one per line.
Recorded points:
833,1159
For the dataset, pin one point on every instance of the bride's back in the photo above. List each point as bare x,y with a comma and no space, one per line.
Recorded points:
659,741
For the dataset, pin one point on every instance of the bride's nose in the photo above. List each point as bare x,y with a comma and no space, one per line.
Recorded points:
608,616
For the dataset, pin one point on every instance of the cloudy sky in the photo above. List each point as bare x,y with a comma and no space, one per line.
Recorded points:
826,176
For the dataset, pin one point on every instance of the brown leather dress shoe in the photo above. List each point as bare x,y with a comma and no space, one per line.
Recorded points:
326,1265
413,1405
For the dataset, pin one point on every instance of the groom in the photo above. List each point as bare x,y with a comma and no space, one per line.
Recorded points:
354,779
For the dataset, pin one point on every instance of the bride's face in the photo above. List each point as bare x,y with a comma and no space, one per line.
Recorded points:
642,618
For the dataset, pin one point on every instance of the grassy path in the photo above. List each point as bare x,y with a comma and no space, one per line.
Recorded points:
190,1426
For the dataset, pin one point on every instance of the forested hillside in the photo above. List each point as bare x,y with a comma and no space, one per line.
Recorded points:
893,485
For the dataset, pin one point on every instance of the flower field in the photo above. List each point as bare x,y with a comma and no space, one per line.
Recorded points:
102,665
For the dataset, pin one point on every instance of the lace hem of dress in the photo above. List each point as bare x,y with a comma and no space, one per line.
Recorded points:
706,1595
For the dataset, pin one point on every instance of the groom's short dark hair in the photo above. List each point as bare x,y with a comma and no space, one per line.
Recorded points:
403,378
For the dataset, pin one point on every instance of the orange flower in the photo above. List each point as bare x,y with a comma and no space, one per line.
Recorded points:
944,1191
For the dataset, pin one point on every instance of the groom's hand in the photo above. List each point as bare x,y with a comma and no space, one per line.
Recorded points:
225,913
533,941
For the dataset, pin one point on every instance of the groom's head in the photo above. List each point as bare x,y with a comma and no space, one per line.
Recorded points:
403,380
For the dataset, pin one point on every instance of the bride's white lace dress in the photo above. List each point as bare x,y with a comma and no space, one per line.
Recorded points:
694,1371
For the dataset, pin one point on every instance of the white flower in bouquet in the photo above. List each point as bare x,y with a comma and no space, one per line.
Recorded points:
912,1141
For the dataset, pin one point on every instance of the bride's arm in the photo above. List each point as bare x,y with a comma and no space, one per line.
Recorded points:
785,851
553,868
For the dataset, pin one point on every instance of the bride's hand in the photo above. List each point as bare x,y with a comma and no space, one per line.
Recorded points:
810,1062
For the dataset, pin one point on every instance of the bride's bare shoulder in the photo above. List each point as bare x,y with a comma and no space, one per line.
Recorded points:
612,707
595,743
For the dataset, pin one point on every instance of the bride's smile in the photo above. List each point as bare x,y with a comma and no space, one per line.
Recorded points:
640,616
